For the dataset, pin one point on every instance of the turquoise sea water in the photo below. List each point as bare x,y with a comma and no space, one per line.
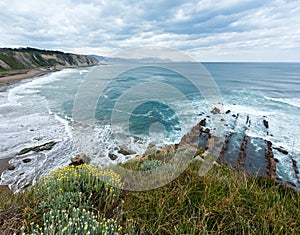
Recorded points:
37,111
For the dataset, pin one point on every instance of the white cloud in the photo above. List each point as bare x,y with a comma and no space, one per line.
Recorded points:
207,30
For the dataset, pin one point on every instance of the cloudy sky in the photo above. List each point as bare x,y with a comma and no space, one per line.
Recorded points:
230,30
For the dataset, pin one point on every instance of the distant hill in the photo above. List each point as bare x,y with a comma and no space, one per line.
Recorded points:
104,59
29,58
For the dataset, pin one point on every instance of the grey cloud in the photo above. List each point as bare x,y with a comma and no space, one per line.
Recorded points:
88,26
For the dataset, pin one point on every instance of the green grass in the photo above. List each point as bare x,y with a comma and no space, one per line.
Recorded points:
224,201
8,58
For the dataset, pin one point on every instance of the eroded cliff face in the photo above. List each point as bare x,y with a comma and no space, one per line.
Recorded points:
28,58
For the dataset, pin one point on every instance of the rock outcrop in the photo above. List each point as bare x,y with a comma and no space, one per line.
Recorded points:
39,148
215,111
253,155
79,159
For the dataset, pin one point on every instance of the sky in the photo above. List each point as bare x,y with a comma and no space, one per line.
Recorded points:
230,30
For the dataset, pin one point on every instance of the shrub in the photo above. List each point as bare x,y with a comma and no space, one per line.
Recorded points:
73,221
151,165
78,186
68,197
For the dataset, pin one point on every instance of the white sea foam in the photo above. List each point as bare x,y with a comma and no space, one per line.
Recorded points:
29,119
28,122
290,101
246,109
65,123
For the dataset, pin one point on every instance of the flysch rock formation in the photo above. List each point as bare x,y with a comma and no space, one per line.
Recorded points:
239,151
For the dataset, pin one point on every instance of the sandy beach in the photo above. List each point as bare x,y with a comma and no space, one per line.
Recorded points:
4,164
19,75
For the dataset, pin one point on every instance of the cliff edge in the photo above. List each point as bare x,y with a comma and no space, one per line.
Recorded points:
30,58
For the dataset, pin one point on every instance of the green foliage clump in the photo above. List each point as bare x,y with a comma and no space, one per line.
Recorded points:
69,197
151,165
75,221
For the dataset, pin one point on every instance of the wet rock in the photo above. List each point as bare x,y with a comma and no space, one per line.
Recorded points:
215,111
266,124
228,111
242,153
270,161
295,166
207,130
43,147
291,184
25,150
151,145
192,137
247,120
225,146
203,122
79,159
112,156
27,160
282,150
210,144
126,151
272,168
11,168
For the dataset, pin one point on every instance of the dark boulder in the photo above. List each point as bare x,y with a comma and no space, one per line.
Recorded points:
282,150
39,148
266,124
112,156
203,122
79,159
126,151
11,168
207,130
215,111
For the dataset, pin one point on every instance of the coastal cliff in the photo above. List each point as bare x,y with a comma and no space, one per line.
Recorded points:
31,58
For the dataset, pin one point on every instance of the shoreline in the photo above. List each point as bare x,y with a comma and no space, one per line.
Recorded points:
18,75
9,78
12,77
4,165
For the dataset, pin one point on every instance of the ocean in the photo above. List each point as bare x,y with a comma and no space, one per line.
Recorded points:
36,111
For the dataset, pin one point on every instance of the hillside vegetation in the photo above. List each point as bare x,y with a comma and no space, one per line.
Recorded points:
30,58
75,200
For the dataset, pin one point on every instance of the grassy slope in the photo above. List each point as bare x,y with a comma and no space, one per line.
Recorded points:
222,202
33,55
